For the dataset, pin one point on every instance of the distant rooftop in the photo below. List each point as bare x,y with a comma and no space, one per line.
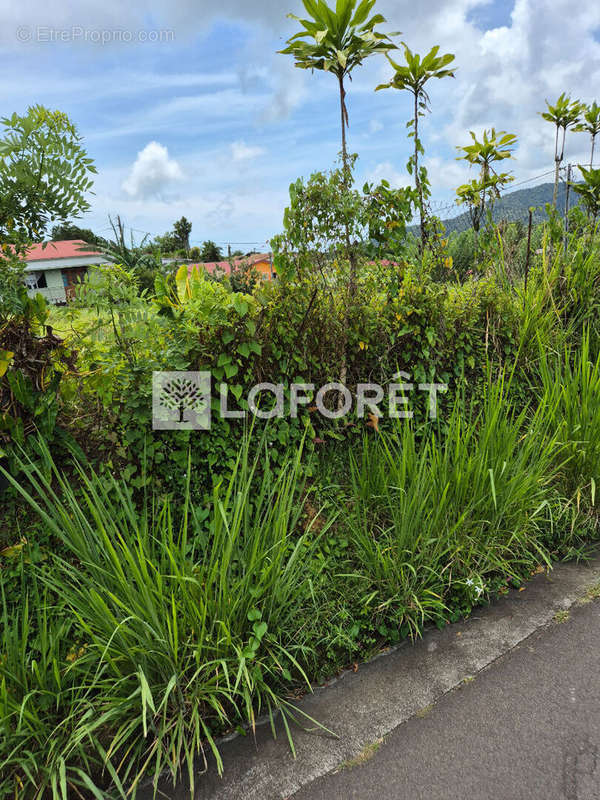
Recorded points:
73,248
225,266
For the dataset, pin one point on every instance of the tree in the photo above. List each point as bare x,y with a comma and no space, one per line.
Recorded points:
210,252
564,114
323,209
69,231
337,41
412,77
182,229
589,191
590,123
482,192
44,174
168,243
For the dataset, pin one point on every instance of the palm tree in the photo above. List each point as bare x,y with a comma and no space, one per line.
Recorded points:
338,40
590,123
494,147
412,77
564,114
182,229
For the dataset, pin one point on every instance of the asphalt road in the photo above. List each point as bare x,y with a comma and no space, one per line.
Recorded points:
528,726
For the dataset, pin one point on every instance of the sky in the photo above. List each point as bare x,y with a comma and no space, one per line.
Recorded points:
188,109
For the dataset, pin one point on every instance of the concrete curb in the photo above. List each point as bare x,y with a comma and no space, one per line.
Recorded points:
365,706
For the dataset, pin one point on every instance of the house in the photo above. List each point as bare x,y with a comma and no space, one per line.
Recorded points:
261,262
55,268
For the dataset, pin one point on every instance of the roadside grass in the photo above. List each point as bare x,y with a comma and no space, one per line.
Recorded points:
162,630
438,518
570,397
159,625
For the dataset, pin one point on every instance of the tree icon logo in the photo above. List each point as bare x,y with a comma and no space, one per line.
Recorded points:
181,400
182,394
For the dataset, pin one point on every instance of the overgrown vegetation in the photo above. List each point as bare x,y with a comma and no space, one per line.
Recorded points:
161,588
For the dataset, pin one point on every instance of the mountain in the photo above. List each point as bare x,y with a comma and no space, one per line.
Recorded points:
515,206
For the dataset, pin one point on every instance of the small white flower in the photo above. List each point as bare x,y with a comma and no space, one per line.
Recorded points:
469,581
479,590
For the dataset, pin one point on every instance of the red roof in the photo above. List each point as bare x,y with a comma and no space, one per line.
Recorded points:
74,248
225,266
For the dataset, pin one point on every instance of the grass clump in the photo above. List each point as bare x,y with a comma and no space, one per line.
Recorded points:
439,515
155,631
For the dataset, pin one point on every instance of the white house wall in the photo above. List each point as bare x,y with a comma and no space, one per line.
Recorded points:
55,289
52,269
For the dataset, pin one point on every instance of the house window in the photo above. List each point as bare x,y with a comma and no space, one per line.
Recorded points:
36,280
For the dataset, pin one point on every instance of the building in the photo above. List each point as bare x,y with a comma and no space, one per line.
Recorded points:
55,268
261,262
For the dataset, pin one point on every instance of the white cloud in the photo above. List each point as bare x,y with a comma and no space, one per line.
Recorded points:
375,125
152,172
386,171
240,151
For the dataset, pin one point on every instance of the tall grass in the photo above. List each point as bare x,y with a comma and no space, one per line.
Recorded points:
569,391
182,626
43,701
435,517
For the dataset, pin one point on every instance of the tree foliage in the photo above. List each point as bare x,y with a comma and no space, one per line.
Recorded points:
590,123
564,114
589,191
325,215
481,193
413,77
210,252
182,229
66,231
45,174
337,41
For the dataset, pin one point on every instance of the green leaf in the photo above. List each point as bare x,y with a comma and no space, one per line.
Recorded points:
5,360
260,628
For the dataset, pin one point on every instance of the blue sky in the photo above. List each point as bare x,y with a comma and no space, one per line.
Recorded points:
210,122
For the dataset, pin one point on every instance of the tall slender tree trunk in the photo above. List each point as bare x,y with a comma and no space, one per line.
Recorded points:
557,161
344,116
418,185
347,181
593,146
349,251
